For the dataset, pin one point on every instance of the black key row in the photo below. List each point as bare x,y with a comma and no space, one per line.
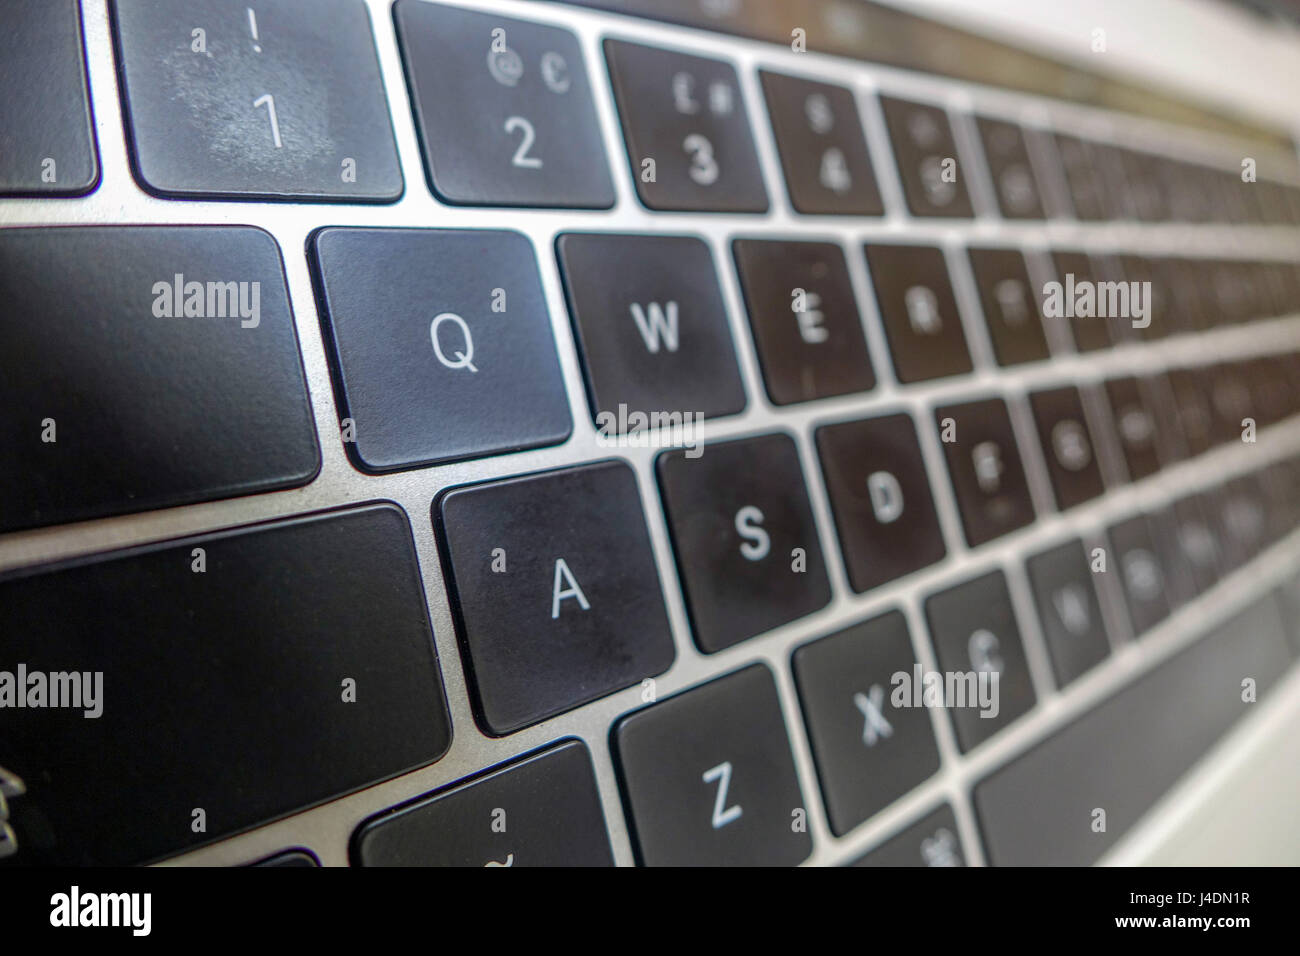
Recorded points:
284,100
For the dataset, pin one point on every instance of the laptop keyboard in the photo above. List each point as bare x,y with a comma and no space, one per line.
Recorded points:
356,498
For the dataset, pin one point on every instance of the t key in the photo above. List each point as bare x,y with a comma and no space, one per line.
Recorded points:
688,138
274,99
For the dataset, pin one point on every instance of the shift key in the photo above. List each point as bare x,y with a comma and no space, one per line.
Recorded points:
156,699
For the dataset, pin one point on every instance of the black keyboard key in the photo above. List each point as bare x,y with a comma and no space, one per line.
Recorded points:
744,536
1088,195
440,344
919,312
47,144
503,108
1010,306
1197,542
987,473
1068,609
203,398
822,147
805,319
1144,175
245,674
1192,402
708,779
1240,514
928,165
543,810
1067,445
281,99
1122,756
1142,573
880,498
1135,426
558,609
976,640
687,134
1179,585
1014,182
869,752
1075,299
932,841
651,327
292,859
1230,403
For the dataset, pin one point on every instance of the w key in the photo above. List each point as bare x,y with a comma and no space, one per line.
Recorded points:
651,326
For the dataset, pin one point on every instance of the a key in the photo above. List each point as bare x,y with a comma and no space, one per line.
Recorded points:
984,463
744,536
267,99
440,343
823,151
708,779
918,310
1010,306
163,370
805,319
47,144
651,327
503,108
687,133
1044,807
1014,182
928,165
232,677
1075,274
543,810
559,609
1067,445
976,640
1134,425
932,841
868,750
1141,571
1068,610
880,498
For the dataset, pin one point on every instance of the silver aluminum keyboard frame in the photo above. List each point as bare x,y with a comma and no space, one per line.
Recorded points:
327,829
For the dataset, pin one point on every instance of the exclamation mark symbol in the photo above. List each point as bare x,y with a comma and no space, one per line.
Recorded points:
252,28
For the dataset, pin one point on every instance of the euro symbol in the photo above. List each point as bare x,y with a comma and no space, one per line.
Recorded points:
462,359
